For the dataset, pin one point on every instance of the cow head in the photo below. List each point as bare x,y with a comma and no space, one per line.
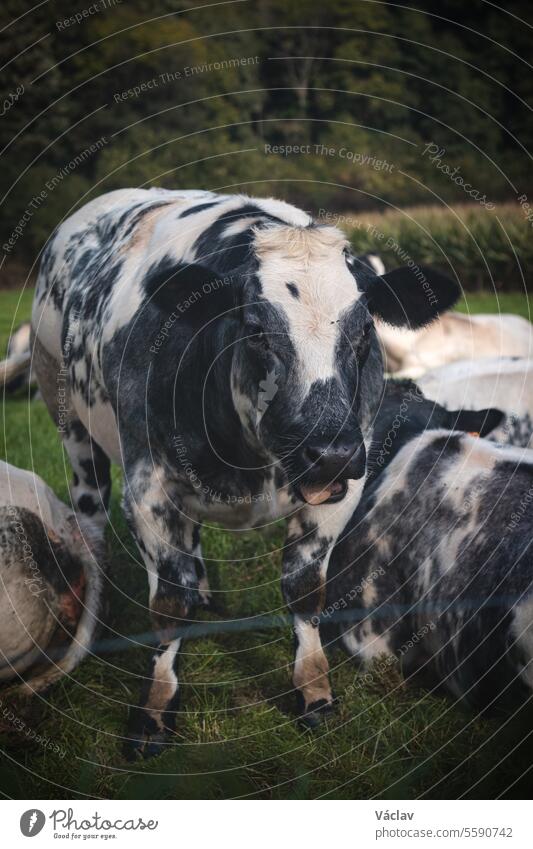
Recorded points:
405,413
293,329
307,373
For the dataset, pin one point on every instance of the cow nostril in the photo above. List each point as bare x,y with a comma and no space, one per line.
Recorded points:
314,454
331,458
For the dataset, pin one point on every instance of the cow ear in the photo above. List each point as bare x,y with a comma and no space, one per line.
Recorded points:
190,291
410,297
480,422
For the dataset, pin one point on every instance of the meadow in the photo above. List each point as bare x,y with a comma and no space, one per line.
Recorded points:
236,731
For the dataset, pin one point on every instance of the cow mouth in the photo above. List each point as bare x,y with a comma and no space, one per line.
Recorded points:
323,493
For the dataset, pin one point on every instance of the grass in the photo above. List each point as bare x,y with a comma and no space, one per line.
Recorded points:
236,735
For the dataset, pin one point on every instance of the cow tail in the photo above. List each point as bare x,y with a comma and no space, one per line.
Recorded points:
90,618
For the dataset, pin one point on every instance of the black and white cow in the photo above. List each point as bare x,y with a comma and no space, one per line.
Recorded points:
506,382
455,336
222,350
50,582
436,565
374,262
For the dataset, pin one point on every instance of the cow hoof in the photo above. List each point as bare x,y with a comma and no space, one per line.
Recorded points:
145,738
314,714
144,746
208,604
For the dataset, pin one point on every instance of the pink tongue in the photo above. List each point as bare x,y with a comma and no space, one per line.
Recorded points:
320,492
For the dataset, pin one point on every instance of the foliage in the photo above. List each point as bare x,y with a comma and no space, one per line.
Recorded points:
343,79
485,250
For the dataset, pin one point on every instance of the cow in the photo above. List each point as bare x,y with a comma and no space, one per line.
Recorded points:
15,370
436,565
373,261
51,562
412,352
221,349
506,382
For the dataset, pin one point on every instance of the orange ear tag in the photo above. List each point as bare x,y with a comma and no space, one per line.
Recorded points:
473,433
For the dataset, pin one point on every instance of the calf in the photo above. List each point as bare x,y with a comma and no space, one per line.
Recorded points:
50,569
411,353
436,564
222,350
506,382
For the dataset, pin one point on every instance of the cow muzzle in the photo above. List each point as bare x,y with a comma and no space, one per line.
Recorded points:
329,468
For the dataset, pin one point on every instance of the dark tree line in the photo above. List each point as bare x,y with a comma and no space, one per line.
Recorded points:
350,93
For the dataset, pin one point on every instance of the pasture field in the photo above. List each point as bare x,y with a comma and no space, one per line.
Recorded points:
236,733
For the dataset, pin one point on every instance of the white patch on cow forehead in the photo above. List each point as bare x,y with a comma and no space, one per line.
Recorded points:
312,260
238,227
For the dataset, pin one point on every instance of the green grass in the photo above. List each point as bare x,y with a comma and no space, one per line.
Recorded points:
236,734
503,302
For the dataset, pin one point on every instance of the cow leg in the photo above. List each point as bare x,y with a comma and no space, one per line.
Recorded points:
91,482
201,572
91,473
311,535
170,546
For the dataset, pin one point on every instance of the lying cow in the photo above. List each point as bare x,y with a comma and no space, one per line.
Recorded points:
436,564
50,587
411,353
222,350
15,370
506,382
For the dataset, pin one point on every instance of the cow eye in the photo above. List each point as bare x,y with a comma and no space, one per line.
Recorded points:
256,337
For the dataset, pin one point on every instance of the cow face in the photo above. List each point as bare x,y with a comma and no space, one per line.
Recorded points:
294,327
307,373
